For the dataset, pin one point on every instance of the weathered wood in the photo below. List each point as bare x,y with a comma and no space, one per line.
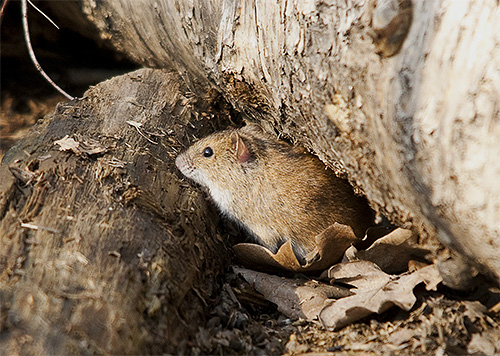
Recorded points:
416,128
103,248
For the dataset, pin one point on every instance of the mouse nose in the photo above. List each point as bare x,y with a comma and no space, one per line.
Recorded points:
179,162
183,163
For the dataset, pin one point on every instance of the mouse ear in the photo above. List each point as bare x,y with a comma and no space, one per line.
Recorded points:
241,150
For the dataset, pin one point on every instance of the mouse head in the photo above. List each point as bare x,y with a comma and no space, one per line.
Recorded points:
217,161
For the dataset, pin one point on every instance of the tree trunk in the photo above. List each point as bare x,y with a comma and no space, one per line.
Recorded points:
104,248
400,96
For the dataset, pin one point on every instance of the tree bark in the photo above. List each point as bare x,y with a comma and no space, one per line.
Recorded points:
104,248
400,96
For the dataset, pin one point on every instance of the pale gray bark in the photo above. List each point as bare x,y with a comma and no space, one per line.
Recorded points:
416,131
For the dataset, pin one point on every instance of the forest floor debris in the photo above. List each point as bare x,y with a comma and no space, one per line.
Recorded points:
441,322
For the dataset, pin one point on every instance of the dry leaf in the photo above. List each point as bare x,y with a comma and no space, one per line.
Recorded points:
391,252
331,245
296,298
67,144
89,147
374,292
372,234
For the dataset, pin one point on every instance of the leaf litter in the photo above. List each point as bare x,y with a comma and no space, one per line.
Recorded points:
372,290
441,322
335,306
368,300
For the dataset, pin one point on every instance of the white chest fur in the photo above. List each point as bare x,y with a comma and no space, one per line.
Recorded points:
223,198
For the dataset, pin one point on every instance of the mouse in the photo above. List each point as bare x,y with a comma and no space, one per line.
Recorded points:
275,191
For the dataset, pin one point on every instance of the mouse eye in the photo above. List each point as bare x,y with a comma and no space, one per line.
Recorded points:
208,152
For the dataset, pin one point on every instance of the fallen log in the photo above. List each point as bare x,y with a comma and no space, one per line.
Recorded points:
104,248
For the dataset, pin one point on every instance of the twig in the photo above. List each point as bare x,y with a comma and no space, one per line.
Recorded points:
44,15
137,126
4,5
24,10
38,227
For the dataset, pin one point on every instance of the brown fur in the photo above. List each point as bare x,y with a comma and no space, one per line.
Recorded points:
278,192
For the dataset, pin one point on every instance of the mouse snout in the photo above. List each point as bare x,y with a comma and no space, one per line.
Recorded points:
183,164
180,162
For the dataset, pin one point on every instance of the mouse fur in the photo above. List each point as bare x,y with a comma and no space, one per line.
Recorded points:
274,190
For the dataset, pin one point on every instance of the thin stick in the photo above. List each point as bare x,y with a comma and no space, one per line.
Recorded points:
3,9
40,11
24,10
